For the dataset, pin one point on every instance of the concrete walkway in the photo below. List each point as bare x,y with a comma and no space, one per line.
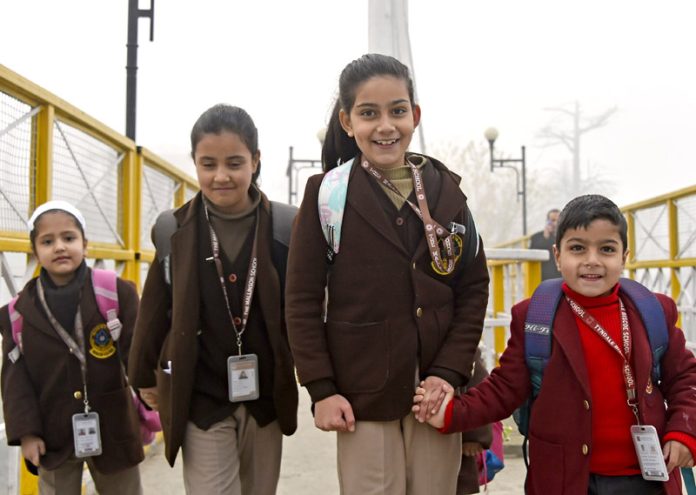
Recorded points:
309,464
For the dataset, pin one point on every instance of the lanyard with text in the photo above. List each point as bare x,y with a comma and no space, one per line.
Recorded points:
250,283
434,232
625,354
75,348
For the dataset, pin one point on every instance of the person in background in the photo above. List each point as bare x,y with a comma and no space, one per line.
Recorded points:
544,239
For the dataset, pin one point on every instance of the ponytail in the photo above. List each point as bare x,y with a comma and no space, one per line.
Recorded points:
337,144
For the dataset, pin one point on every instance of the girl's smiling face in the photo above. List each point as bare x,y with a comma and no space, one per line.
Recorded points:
225,166
591,260
59,245
382,120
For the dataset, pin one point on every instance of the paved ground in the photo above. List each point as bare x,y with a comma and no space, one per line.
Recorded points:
309,465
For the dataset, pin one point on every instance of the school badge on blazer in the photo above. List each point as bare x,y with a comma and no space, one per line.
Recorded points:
101,345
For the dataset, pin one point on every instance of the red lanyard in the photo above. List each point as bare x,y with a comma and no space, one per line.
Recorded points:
250,282
434,232
625,353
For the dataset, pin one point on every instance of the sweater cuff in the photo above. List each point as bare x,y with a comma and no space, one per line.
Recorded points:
451,377
683,438
448,417
321,389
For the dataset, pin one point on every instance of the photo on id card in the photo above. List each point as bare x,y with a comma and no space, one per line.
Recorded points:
243,377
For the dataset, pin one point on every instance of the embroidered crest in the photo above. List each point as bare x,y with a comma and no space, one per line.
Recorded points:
458,253
101,345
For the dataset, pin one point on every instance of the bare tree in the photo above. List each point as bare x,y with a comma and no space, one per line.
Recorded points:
554,134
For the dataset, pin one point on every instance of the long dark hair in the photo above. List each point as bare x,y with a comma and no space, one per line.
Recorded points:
337,144
222,117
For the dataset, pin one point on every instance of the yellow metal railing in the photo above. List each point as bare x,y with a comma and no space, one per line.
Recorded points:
49,116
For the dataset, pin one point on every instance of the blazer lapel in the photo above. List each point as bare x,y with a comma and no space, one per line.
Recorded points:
565,333
267,282
28,305
361,198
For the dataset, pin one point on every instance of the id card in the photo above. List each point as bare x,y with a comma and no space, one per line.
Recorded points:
243,377
86,434
649,452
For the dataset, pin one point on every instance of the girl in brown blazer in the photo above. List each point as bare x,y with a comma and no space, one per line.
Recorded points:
210,350
407,291
45,384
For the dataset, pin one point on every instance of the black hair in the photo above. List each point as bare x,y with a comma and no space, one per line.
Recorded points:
337,144
34,233
583,210
222,117
552,210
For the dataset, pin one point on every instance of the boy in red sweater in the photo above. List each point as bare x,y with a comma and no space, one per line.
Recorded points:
580,424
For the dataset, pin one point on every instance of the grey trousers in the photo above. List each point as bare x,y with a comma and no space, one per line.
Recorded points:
67,479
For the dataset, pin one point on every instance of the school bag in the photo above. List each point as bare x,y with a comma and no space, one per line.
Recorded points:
331,202
282,216
537,343
106,294
491,460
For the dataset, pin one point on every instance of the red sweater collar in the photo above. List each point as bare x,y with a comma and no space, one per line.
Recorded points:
592,302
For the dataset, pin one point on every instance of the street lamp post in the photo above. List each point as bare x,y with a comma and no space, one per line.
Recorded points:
491,135
295,165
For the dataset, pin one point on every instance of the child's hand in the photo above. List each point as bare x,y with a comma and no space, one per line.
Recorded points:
470,449
33,448
436,420
150,396
435,390
334,414
677,455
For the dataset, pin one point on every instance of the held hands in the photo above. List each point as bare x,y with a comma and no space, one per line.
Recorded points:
150,396
435,418
334,414
434,391
471,449
33,448
677,455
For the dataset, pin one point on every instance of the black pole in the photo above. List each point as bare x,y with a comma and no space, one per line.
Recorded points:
132,59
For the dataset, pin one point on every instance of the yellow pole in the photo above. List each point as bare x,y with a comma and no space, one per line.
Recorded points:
130,188
631,228
180,194
673,219
44,156
498,281
532,279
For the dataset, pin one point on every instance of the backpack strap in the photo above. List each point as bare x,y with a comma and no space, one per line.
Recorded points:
653,317
537,329
165,226
17,322
331,203
106,293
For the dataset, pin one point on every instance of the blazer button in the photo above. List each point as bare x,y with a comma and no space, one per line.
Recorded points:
585,449
77,394
232,277
237,321
586,404
399,221
419,312
414,265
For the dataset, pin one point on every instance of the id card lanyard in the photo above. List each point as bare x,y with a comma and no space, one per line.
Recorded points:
435,233
625,353
250,282
75,348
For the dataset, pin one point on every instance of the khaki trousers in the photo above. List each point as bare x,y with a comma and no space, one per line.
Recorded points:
67,480
398,457
232,457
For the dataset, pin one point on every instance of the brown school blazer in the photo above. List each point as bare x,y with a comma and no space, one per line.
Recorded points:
157,341
39,390
388,311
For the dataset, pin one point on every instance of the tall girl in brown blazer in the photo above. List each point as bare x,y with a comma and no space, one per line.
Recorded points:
194,341
70,363
398,311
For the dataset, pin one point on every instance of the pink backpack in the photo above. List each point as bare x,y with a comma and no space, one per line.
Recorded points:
106,294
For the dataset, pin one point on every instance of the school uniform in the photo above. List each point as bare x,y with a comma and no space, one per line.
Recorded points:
391,319
44,387
184,336
561,422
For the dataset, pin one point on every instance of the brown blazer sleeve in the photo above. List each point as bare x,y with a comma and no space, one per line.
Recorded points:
19,399
151,328
470,286
304,295
128,312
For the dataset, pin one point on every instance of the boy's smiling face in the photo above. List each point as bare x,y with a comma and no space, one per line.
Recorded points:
591,260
